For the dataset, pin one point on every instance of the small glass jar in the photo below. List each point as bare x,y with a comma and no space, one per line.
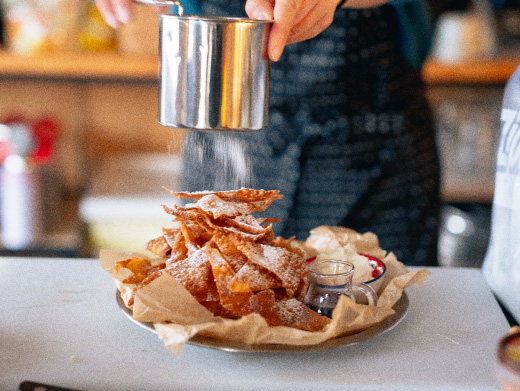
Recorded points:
331,279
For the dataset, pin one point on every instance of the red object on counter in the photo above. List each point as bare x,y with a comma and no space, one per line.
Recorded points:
45,132
380,266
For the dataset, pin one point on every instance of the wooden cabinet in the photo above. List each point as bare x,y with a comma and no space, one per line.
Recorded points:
105,103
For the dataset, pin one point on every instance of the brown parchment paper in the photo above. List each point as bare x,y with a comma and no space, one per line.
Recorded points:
177,316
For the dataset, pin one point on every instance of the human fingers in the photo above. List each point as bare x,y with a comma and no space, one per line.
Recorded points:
115,12
260,9
107,11
320,17
308,18
286,12
314,22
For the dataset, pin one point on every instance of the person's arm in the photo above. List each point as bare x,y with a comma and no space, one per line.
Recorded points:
294,20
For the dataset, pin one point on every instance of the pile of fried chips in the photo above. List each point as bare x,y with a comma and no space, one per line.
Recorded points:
230,261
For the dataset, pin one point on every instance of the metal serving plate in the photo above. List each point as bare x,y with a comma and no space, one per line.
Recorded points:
401,309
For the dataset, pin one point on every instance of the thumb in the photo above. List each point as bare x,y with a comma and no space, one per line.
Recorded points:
260,9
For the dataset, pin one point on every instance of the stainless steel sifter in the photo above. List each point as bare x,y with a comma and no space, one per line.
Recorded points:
214,71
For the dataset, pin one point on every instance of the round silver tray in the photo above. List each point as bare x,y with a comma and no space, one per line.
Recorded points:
401,308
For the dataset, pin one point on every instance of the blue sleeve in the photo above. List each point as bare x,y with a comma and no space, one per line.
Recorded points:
416,30
191,7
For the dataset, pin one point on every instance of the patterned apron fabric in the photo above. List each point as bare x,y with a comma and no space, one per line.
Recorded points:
350,139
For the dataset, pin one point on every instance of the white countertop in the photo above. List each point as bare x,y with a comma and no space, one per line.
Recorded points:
60,324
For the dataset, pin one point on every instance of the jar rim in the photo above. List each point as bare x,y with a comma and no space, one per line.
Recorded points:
218,19
337,268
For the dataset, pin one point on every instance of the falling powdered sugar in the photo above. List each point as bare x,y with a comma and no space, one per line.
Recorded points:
217,161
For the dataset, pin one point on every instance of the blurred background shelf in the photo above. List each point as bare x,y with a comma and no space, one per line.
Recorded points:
145,68
478,72
103,66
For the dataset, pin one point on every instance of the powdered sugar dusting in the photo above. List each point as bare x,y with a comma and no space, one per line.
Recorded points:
256,278
290,310
219,207
248,220
193,272
278,261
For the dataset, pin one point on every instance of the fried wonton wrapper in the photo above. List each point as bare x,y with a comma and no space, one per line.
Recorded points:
237,303
225,257
178,320
264,303
159,246
260,199
285,265
229,250
223,275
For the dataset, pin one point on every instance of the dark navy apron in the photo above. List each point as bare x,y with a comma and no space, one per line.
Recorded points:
350,140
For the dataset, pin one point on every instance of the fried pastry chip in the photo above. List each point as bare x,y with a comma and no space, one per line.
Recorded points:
159,246
229,251
252,277
235,302
264,303
261,199
172,244
140,267
230,261
267,220
302,288
194,272
244,226
287,244
284,264
189,238
217,207
294,313
175,239
189,215
200,235
267,238
170,232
